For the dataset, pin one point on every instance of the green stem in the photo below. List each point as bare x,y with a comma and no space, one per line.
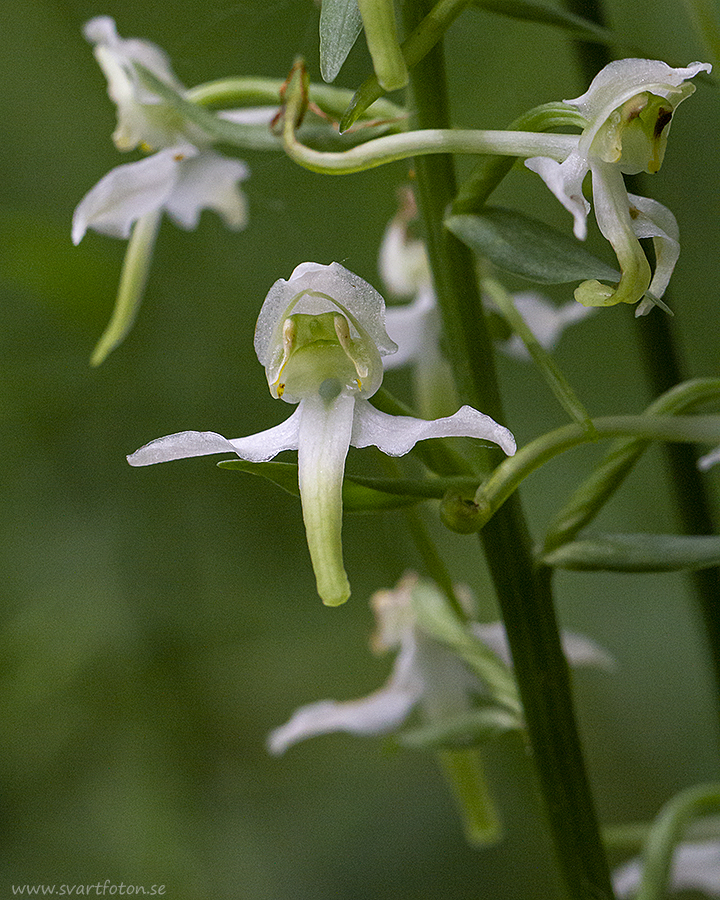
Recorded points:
523,592
508,476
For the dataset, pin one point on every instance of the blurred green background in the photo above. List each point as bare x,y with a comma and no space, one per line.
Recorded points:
157,623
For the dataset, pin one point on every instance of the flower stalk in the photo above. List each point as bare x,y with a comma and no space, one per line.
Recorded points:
524,594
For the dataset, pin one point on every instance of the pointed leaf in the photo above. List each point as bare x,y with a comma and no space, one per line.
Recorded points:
637,553
340,25
545,14
527,247
469,729
551,372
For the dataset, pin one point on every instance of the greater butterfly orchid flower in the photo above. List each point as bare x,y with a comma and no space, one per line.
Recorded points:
628,108
321,338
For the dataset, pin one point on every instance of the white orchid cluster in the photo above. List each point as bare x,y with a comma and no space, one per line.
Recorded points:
325,339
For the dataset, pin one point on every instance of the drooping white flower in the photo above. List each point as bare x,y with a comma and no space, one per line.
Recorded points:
182,178
321,336
426,674
695,866
628,109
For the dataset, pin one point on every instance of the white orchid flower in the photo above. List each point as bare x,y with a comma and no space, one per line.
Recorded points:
183,178
321,336
628,109
695,866
426,674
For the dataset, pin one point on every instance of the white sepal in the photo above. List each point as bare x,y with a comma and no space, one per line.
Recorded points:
397,435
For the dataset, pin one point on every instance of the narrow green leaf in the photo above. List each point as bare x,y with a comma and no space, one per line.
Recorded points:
526,247
360,494
378,19
469,729
340,25
590,496
637,553
549,369
545,14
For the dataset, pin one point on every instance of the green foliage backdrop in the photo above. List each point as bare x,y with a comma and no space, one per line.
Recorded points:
157,623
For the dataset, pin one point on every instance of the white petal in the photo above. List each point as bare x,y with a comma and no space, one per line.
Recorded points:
565,181
378,713
208,181
653,220
256,448
546,321
348,289
624,78
414,327
695,867
709,460
402,260
323,442
579,650
397,435
125,194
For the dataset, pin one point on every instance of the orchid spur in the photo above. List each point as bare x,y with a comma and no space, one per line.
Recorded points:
628,108
182,177
321,336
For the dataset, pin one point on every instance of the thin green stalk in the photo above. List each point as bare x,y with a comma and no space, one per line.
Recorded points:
523,592
508,476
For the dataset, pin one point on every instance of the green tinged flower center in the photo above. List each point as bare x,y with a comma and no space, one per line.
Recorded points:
320,356
635,134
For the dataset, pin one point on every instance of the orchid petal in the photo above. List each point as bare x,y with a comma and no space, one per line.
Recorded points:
303,293
323,442
256,448
397,435
402,261
651,219
625,78
126,193
142,118
695,866
378,713
414,327
709,460
208,181
565,180
546,321
579,650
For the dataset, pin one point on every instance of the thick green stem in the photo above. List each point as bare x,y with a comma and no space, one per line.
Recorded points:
523,592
